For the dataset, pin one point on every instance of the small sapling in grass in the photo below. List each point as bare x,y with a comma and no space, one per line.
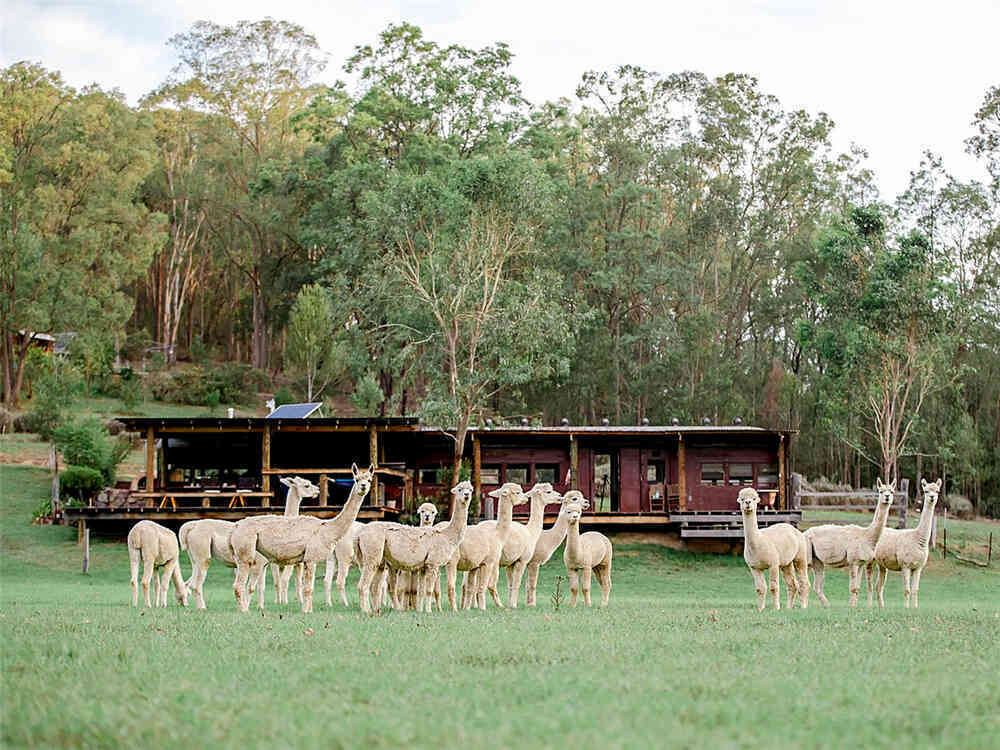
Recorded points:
557,595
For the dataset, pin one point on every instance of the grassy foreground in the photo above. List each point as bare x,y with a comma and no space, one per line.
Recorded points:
679,659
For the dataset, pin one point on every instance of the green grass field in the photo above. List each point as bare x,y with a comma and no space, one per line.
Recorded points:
680,659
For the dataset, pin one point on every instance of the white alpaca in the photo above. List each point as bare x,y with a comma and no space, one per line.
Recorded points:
586,554
519,545
907,550
778,548
403,585
479,553
422,551
208,538
849,546
340,564
157,547
548,542
298,489
288,541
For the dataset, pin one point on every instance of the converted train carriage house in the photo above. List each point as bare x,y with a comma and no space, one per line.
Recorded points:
654,478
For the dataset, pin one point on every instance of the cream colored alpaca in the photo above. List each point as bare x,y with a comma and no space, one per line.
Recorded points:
340,564
157,547
907,550
208,538
298,489
422,551
402,584
548,542
288,541
479,553
778,548
519,545
849,546
585,554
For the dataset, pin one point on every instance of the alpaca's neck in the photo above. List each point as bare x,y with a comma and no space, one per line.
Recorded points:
537,515
924,527
337,526
573,540
751,532
292,502
874,529
505,516
552,537
456,527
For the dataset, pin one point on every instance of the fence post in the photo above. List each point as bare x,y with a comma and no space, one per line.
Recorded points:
989,550
796,490
86,551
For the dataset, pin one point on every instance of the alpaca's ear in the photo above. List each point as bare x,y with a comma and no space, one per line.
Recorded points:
354,470
371,469
584,503
285,481
454,490
923,484
494,493
878,483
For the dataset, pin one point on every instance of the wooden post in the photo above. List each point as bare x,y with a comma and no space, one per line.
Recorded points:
989,550
81,526
477,465
265,463
323,491
796,490
574,463
904,488
86,551
782,500
681,473
150,461
373,458
944,554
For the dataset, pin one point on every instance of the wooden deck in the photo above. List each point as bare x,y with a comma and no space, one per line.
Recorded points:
95,517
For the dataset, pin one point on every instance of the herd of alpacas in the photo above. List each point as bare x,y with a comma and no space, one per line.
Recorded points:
401,565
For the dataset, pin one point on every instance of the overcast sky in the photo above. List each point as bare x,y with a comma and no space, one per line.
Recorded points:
896,76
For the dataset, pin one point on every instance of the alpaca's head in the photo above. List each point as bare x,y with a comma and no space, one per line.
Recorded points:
886,492
545,492
363,478
573,511
931,491
748,500
511,491
302,486
427,513
463,493
571,497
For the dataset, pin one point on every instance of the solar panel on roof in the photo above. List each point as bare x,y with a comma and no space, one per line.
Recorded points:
294,411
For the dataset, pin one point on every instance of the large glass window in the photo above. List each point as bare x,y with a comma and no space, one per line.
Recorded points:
654,472
546,473
741,475
767,476
428,476
517,474
489,475
713,475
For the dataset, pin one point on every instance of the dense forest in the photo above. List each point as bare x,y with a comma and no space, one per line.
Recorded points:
419,239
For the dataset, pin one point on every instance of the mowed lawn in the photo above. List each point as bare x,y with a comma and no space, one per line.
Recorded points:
680,659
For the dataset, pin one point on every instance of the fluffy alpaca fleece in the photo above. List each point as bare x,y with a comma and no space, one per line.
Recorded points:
340,564
402,583
548,541
422,551
479,553
778,548
519,545
849,546
299,488
585,554
208,538
907,550
157,547
288,541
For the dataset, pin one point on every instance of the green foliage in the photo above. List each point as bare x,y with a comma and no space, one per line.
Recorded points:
313,349
367,395
222,383
283,396
57,385
131,390
80,483
84,442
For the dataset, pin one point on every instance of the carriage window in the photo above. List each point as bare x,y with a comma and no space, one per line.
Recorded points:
428,476
654,472
712,475
546,473
490,475
517,474
741,475
767,476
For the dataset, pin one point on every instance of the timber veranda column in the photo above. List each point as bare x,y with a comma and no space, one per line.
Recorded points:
477,463
781,473
681,473
150,460
265,463
574,463
373,459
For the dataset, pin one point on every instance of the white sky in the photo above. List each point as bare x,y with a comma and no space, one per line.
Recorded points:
897,76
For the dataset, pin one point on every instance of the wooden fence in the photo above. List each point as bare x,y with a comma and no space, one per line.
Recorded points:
801,500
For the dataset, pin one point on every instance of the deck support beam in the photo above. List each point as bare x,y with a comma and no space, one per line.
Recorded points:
574,463
265,464
373,459
150,460
782,500
323,491
477,465
681,473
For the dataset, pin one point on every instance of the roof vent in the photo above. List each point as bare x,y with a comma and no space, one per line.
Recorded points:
706,420
737,420
524,422
675,421
605,422
645,421
564,422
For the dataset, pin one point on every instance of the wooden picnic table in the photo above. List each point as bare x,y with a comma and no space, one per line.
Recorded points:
234,496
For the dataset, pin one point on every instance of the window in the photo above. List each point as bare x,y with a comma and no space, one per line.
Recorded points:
767,476
428,476
489,475
654,472
741,475
546,473
517,474
712,475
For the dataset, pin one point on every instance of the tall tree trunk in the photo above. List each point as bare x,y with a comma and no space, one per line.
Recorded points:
258,343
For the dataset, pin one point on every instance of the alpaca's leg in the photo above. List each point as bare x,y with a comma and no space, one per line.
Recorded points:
157,576
802,575
516,574
197,582
240,587
258,571
299,575
451,572
466,583
791,586
437,590
492,578
906,586
604,578
587,572
509,572
342,571
774,585
147,576
869,581
760,586
328,573
818,574
180,590
308,576
531,584
915,584
133,565
574,586
276,580
882,574
855,582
